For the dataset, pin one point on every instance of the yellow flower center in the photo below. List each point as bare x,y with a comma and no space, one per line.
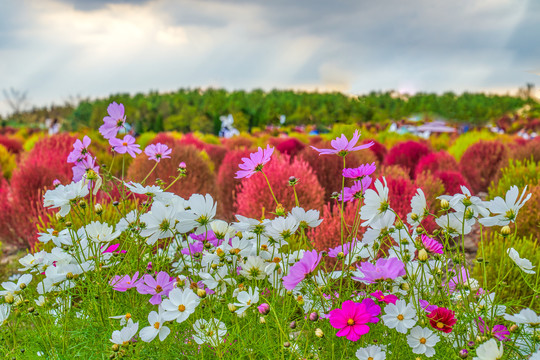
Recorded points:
423,340
400,317
128,316
350,322
440,325
124,143
156,325
158,289
181,308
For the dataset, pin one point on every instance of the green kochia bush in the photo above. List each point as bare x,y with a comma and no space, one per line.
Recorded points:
493,263
519,173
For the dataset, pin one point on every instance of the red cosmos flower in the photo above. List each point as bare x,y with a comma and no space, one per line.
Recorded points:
390,298
442,319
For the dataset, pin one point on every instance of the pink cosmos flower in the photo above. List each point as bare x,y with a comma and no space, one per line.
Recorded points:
82,167
264,308
299,270
160,286
114,122
427,306
352,318
499,332
345,249
209,236
127,145
458,280
359,172
357,190
123,283
80,150
112,249
432,245
388,299
192,249
383,269
254,163
342,146
157,152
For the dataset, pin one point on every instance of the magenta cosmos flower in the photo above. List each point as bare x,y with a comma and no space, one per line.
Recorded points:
114,122
299,270
254,163
357,190
383,269
82,167
388,299
499,332
123,283
342,146
352,318
127,145
80,150
157,152
345,249
432,245
360,172
160,286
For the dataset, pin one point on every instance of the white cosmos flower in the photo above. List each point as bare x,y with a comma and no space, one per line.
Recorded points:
124,319
382,225
372,352
180,304
418,207
160,222
210,332
246,299
489,351
221,229
124,336
505,210
524,264
5,309
156,327
202,210
150,190
461,202
61,196
254,268
525,316
237,246
219,281
15,288
281,228
306,218
127,221
375,203
401,316
455,223
248,224
100,232
422,341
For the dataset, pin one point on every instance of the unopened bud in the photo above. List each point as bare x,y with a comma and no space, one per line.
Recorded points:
471,344
505,231
293,181
280,210
287,344
300,300
9,298
422,255
231,307
292,325
513,328
313,316
68,224
83,204
201,293
334,195
463,353
264,308
445,205
414,217
220,252
59,217
262,320
340,255
31,310
98,209
319,333
56,183
115,347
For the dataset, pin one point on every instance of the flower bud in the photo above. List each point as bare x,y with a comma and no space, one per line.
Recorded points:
262,320
300,300
471,344
293,181
264,308
319,333
445,205
280,210
313,316
9,298
231,307
414,217
340,255
201,293
463,353
292,325
31,310
334,195
68,224
513,328
56,183
115,347
83,204
505,231
422,255
287,344
98,209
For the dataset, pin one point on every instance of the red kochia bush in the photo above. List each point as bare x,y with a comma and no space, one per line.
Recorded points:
190,139
378,149
290,146
452,181
237,142
12,145
164,138
216,153
200,179
227,184
328,168
439,161
526,149
481,163
407,154
253,192
400,193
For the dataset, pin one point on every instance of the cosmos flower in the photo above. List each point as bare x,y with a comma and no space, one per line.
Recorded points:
499,332
524,264
157,152
356,191
352,319
114,122
123,283
254,163
80,150
389,299
342,146
442,319
127,145
432,245
383,269
360,172
81,167
158,287
422,341
299,270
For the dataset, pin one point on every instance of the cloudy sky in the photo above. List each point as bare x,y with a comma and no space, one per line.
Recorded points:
57,49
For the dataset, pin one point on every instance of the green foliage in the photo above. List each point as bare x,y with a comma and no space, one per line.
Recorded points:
519,173
145,138
496,264
7,162
466,140
31,141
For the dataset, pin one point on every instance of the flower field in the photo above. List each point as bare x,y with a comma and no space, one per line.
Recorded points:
359,243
